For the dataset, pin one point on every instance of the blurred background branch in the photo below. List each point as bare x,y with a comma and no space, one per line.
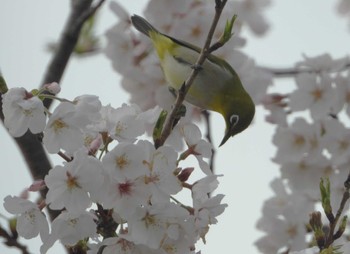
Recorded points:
30,144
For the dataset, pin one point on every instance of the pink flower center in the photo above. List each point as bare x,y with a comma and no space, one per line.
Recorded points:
125,188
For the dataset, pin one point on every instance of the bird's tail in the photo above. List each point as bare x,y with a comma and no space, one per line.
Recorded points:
142,25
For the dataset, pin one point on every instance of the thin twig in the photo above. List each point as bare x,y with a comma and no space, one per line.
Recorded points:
189,81
63,156
90,12
290,72
332,224
11,241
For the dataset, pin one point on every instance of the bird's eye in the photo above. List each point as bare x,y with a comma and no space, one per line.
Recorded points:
234,120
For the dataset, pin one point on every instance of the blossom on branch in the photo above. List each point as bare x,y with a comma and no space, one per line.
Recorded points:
75,185
22,111
31,221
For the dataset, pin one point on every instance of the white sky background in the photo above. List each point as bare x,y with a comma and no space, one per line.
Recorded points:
297,26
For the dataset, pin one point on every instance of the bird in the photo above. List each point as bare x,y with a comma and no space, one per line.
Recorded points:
217,86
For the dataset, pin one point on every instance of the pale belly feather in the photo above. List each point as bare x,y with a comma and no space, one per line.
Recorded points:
205,89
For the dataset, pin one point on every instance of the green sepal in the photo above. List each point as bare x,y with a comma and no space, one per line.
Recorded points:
343,223
88,42
3,86
158,128
13,225
341,228
35,92
181,112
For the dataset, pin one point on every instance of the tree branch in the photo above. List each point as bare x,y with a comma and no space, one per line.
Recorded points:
11,241
290,72
81,11
30,144
332,224
189,81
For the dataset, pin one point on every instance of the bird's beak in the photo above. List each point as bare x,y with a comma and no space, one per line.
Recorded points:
226,137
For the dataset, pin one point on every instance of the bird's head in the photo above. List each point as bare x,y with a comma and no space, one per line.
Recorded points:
238,117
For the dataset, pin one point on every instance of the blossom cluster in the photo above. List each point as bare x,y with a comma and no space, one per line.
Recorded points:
312,140
116,192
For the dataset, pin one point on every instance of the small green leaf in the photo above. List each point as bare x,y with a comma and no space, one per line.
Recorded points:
87,42
226,36
325,188
158,128
341,228
12,225
3,86
181,112
35,92
331,250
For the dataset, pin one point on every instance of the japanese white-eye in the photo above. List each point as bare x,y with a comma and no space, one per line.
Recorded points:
217,86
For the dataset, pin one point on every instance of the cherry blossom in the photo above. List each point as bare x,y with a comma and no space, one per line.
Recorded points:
120,245
126,123
297,141
76,184
197,146
125,161
342,83
251,13
69,228
160,177
62,130
31,221
315,93
151,224
125,195
23,111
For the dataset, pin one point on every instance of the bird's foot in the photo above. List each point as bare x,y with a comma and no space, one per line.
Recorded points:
197,67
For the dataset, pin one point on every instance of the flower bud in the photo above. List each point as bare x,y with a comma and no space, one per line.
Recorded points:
53,87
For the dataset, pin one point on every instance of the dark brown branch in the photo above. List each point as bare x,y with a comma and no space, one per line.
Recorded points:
189,81
11,241
333,223
34,155
290,72
81,11
29,144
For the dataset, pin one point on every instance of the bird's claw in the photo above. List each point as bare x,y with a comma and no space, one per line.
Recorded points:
197,67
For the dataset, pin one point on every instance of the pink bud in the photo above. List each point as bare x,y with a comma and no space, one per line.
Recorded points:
37,185
95,144
24,194
28,95
53,87
270,119
274,98
185,174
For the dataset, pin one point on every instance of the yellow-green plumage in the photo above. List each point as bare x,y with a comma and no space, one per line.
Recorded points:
217,87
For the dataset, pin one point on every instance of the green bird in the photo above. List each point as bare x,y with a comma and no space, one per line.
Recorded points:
217,86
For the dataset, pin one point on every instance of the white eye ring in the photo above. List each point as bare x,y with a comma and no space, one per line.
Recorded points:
234,120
